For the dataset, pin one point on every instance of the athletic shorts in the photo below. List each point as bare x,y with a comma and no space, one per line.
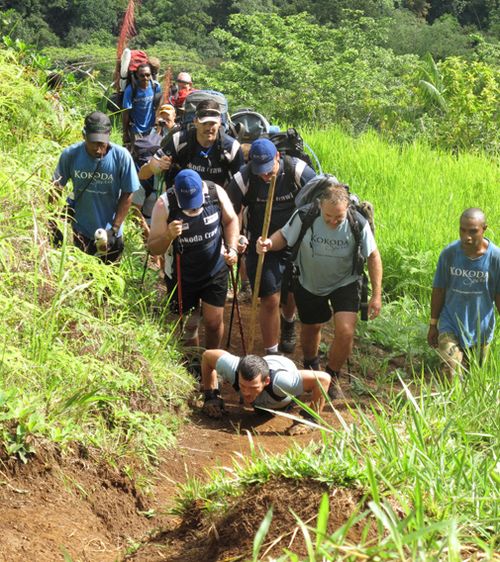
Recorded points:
87,245
314,309
213,291
272,272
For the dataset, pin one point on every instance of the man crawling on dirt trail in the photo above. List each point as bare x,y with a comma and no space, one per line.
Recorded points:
263,382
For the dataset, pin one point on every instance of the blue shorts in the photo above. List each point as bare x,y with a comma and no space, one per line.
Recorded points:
272,272
315,309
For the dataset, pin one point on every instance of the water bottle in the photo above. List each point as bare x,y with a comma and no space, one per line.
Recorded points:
101,240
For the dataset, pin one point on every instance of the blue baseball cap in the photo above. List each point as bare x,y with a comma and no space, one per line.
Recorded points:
189,189
262,154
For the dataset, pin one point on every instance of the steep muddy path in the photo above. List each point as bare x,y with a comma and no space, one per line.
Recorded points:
70,508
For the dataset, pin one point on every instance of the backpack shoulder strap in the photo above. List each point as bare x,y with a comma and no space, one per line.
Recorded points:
212,192
173,206
289,171
357,223
269,387
308,214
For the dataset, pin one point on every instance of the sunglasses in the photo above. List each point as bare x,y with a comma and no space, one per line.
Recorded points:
144,75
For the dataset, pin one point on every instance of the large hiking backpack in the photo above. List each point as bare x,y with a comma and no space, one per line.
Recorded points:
128,64
142,151
249,125
197,96
358,214
290,142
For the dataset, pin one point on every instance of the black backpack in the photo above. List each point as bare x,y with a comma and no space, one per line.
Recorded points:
358,214
291,143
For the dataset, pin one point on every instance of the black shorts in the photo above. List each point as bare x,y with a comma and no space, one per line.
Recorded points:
314,309
88,246
212,291
272,272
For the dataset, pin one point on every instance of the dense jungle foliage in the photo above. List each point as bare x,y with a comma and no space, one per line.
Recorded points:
409,70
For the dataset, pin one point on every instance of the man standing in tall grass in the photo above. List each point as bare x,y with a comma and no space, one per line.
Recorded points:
104,177
466,287
327,279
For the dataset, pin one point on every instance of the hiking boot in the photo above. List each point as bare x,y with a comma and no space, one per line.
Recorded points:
335,391
245,293
288,339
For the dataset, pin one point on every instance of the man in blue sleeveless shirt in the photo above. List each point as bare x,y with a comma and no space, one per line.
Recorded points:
197,223
466,287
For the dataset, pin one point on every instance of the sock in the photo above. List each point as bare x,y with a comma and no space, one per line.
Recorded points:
288,319
312,364
272,349
333,374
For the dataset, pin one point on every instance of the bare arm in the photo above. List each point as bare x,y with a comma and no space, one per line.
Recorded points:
314,381
208,373
274,244
162,233
375,270
231,226
122,210
437,302
154,166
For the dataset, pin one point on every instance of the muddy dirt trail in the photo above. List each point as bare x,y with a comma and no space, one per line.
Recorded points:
55,507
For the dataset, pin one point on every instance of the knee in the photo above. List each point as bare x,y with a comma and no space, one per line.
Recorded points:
270,303
213,323
344,336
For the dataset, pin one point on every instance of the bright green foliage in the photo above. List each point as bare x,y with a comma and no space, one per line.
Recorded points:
418,195
82,359
427,462
296,71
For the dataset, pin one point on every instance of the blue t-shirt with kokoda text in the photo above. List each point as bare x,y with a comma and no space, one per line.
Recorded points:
471,285
96,192
287,379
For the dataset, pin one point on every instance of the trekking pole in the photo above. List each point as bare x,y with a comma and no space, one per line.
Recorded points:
179,288
233,305
260,262
144,269
238,313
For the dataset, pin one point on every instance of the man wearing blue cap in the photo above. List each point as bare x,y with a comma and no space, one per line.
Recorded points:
196,221
249,188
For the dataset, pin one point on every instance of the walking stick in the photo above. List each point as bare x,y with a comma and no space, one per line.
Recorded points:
238,313
179,288
260,262
233,305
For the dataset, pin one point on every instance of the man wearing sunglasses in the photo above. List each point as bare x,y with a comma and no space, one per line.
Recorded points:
139,103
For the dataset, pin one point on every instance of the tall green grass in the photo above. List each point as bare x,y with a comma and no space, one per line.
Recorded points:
418,195
427,461
83,360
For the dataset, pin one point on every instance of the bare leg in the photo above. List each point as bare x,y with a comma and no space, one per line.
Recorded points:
269,316
341,347
310,337
213,320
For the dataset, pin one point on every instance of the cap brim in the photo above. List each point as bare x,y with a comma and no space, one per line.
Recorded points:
262,167
194,202
98,137
209,119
